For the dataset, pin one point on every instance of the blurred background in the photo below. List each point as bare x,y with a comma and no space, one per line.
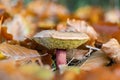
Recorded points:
72,5
32,16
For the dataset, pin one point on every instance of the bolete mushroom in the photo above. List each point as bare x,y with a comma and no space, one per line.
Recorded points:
60,41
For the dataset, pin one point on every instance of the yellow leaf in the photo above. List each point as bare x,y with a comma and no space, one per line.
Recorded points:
2,56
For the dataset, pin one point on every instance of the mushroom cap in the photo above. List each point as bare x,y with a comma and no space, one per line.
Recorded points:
52,39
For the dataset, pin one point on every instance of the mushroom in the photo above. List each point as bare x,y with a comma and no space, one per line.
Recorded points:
60,41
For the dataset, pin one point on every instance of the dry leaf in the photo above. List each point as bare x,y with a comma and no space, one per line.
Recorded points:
20,27
100,73
61,26
81,26
47,60
20,54
116,35
96,60
107,31
4,14
76,53
106,28
112,49
5,34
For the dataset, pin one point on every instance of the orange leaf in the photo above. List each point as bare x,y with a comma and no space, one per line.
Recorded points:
6,35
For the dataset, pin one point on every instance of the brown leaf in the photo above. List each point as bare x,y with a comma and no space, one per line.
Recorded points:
20,54
6,35
116,35
47,60
100,73
106,30
96,60
3,32
4,14
76,53
112,49
80,26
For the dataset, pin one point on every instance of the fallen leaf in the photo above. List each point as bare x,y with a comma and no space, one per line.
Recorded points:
20,54
112,49
96,60
116,35
76,53
5,34
47,60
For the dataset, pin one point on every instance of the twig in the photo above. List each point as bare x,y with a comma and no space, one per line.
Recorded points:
90,47
70,61
44,54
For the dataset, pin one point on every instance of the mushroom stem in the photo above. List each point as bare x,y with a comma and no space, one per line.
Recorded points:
61,57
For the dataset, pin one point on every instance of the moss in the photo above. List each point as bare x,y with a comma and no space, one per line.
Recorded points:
53,43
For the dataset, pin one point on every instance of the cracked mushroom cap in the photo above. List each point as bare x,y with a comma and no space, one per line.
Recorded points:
52,39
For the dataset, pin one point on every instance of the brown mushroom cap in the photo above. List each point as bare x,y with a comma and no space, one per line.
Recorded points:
60,40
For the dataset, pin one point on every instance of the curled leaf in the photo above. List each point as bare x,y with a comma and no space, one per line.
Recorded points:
20,27
112,49
5,34
81,26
